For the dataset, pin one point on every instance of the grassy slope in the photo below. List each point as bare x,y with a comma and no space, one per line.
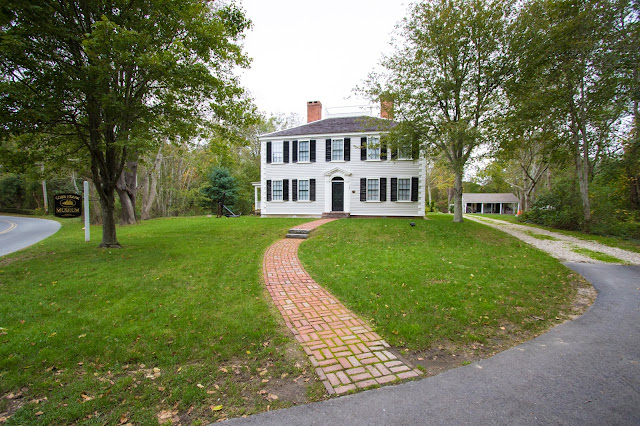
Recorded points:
437,281
85,327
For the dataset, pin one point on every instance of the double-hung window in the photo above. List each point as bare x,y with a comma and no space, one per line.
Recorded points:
404,189
303,190
373,190
337,149
276,153
404,152
277,190
373,148
303,151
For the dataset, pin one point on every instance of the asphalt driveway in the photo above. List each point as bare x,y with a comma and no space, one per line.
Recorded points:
585,371
19,232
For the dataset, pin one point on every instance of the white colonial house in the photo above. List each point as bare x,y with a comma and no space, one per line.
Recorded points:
338,167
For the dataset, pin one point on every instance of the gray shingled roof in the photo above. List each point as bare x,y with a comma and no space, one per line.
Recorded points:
490,198
338,125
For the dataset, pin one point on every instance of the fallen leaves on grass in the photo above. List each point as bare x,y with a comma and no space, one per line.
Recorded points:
166,416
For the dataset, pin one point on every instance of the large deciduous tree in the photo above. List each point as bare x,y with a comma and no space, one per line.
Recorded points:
445,76
109,78
570,72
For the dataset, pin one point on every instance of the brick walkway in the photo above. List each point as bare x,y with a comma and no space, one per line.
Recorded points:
346,352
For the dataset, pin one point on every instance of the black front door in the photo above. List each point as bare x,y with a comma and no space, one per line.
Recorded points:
337,196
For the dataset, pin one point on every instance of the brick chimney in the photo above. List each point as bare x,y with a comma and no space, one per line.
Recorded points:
314,111
386,108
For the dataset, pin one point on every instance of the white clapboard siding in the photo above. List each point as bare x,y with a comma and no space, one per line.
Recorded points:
352,171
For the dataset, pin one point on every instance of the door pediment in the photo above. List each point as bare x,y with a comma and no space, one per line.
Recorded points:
337,171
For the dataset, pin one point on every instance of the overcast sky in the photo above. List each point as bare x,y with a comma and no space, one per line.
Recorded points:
314,50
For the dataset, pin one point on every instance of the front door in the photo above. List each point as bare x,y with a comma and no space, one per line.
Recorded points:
337,196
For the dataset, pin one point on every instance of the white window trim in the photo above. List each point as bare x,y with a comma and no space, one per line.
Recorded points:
342,141
273,200
308,191
398,200
369,140
367,191
308,152
273,145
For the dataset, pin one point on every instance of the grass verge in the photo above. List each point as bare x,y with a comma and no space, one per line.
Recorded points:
175,327
631,245
540,236
440,284
603,257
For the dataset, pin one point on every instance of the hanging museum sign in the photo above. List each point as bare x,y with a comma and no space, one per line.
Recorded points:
67,205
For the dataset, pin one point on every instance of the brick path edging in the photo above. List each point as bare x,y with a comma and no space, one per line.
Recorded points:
346,352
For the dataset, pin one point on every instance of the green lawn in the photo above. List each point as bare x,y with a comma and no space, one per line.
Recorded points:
438,281
631,245
175,323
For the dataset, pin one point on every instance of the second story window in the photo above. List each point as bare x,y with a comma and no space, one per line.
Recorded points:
404,152
276,153
303,151
337,150
373,148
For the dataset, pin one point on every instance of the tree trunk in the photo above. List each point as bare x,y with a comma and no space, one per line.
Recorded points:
582,170
126,188
108,204
150,187
457,197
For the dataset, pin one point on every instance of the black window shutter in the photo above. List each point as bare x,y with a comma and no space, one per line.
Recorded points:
294,189
347,149
268,152
327,152
394,189
312,150
363,149
269,189
383,151
285,189
285,151
363,189
414,188
383,189
312,189
294,152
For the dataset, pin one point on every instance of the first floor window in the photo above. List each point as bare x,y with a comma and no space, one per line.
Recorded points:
373,190
276,153
303,190
277,190
337,150
303,151
404,189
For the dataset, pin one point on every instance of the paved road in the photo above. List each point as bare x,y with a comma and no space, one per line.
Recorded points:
586,371
19,232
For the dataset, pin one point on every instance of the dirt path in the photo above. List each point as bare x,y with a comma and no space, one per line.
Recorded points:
558,245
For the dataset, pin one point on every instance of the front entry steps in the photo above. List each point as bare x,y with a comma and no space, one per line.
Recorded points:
301,234
335,215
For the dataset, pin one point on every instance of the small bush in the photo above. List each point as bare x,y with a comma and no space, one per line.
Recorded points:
559,208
